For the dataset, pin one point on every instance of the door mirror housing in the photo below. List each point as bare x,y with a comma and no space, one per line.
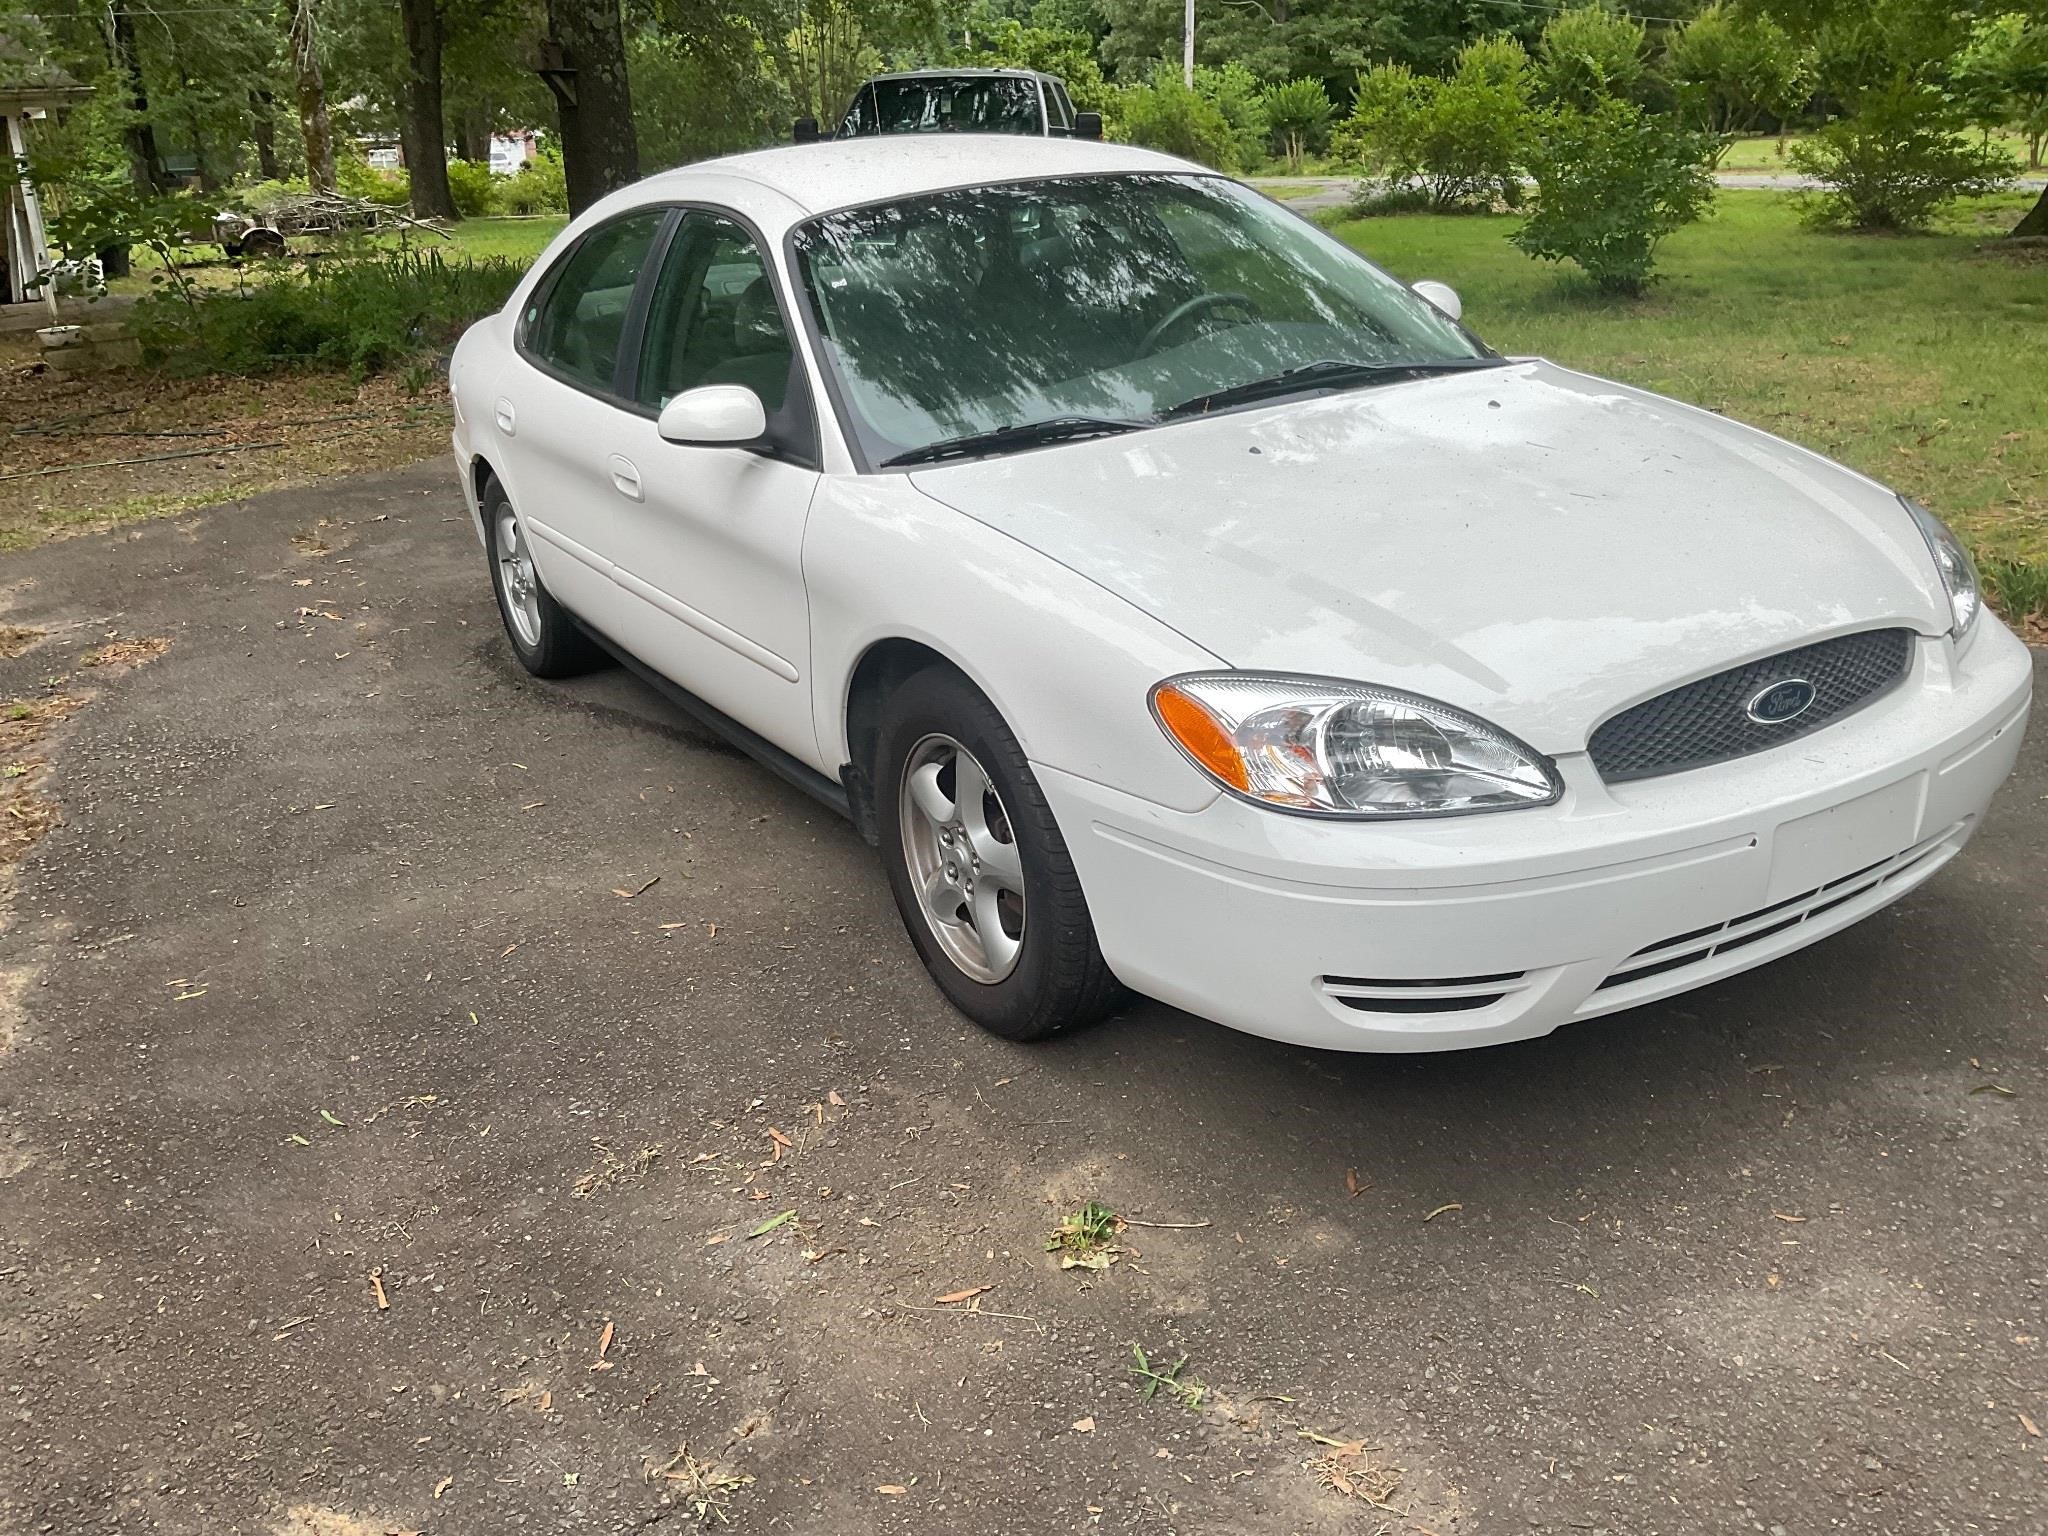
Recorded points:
1087,125
1440,296
714,415
806,131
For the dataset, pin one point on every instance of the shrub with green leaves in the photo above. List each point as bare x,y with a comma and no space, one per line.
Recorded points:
1298,114
1733,68
1589,54
356,177
1611,183
1898,161
1163,114
536,187
473,188
1460,138
364,314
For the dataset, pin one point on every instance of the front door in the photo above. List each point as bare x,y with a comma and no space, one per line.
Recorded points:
710,539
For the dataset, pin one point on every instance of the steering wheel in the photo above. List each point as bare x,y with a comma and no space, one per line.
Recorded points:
1181,313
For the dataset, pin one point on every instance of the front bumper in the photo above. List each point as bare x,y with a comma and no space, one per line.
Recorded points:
1465,931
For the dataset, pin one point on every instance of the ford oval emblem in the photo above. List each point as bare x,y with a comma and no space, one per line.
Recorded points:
1782,701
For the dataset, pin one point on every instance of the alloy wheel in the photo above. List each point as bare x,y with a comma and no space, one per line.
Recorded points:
963,859
517,579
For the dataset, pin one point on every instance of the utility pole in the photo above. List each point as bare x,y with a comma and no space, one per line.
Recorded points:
1187,48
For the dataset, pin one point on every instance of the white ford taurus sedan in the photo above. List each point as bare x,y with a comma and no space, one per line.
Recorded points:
1181,603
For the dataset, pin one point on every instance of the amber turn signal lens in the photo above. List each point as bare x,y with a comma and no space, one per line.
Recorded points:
1200,736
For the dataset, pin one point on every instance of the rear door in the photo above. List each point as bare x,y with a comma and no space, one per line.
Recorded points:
559,410
710,543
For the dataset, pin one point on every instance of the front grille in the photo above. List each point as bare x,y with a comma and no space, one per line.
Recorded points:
1708,722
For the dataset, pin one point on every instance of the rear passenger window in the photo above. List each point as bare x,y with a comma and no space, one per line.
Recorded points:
577,324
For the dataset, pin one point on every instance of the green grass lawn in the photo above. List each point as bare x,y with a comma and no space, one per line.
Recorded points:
1920,360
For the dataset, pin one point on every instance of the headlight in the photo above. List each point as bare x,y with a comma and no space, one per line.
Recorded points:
1958,572
1325,748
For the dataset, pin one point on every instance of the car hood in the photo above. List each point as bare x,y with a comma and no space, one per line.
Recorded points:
1532,544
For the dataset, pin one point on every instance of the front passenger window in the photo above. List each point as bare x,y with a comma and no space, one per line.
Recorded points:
714,318
578,326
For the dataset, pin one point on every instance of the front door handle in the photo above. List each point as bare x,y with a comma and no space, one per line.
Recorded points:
507,419
625,478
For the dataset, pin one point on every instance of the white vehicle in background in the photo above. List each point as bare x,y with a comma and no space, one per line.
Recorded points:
1181,603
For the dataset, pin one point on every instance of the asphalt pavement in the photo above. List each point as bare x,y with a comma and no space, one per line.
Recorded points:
406,1068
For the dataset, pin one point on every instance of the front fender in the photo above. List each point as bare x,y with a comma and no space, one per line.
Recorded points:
1066,662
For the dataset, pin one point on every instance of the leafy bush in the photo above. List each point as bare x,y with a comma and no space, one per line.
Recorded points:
1588,55
1461,138
1734,68
365,314
1298,114
473,188
1164,114
1897,162
1611,183
356,177
536,187
1235,92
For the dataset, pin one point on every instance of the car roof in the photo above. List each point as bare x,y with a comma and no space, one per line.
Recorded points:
961,74
845,173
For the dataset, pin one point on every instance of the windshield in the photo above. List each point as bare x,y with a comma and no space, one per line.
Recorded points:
1124,297
998,104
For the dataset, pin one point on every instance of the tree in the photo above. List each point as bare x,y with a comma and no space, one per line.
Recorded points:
1589,54
2002,75
314,125
1734,68
1462,138
584,64
1611,183
1900,159
424,126
1299,113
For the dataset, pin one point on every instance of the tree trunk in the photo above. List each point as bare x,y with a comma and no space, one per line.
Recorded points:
473,134
263,133
2036,221
586,69
424,132
312,90
145,163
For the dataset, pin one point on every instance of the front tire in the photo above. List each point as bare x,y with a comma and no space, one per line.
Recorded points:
981,875
544,637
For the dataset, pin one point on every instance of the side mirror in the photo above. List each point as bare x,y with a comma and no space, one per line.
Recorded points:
806,131
714,415
1087,125
1440,296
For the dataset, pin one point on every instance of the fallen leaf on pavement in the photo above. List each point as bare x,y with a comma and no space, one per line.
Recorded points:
1455,1205
833,1098
328,1116
1351,1183
716,1238
953,1296
604,1340
892,1488
1997,1088
646,885
1085,1426
2030,1426
443,1486
1782,1216
780,1220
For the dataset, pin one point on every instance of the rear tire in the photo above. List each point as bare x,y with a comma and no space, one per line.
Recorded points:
544,637
981,875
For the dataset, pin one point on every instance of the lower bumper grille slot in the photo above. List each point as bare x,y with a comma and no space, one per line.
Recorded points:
1655,959
1424,994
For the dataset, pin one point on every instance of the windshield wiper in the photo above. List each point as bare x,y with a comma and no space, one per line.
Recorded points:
1029,434
1329,373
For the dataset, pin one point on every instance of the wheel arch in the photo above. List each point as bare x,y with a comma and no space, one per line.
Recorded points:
880,669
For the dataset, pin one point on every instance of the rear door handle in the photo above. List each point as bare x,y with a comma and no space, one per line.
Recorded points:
625,478
507,419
